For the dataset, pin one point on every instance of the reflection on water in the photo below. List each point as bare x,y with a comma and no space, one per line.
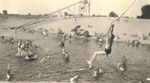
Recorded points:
51,69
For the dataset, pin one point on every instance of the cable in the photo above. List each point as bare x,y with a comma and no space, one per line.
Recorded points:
124,12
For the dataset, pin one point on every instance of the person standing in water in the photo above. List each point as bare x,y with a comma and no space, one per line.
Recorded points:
62,43
109,41
8,75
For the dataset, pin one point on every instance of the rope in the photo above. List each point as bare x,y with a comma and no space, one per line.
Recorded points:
124,12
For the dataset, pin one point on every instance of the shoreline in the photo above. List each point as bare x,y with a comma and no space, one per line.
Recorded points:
144,42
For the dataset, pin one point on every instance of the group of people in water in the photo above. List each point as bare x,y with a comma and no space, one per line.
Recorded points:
65,53
24,50
109,38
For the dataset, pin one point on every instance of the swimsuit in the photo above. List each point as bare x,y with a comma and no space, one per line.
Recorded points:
108,51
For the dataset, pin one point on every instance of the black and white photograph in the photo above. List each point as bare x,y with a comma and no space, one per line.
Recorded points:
75,41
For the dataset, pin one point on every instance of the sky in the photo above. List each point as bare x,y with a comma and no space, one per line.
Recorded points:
98,7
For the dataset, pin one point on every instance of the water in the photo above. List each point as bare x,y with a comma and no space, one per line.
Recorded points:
138,61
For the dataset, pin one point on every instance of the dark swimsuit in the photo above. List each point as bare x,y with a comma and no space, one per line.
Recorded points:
108,51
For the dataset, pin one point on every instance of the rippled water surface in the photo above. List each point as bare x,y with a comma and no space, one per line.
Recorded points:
138,61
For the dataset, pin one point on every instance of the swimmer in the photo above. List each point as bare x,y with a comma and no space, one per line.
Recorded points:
122,66
74,79
70,36
63,51
20,47
64,37
62,43
109,42
97,72
30,56
101,41
19,42
44,33
67,56
12,40
8,75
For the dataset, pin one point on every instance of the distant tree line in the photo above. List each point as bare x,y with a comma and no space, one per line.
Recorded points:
113,14
5,12
145,12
